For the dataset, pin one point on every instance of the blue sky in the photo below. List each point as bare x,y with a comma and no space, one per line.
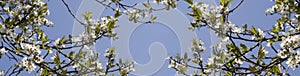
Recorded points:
251,12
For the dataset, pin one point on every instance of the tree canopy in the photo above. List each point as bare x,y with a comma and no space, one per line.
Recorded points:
24,41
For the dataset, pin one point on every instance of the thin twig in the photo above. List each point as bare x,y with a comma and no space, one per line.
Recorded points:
69,10
236,6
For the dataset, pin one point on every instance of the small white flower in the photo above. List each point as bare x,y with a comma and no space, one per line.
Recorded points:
75,65
6,8
261,33
3,50
172,64
229,24
269,44
50,51
220,7
210,60
264,51
292,62
281,54
131,68
238,61
56,42
2,73
39,60
154,1
237,30
53,57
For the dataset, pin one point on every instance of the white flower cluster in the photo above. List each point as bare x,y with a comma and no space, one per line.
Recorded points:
130,68
167,3
87,60
33,51
133,15
214,19
110,53
238,61
282,53
96,28
294,60
197,46
213,61
28,64
290,42
282,7
214,64
20,10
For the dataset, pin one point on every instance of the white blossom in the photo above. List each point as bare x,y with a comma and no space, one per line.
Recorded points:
2,73
264,51
172,64
292,62
237,30
261,33
39,59
28,64
281,54
56,42
2,51
238,61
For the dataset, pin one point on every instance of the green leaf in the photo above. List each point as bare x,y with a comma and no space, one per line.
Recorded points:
197,11
260,54
152,18
87,16
229,74
223,57
64,72
71,54
189,1
45,73
223,2
2,3
275,69
17,50
275,29
192,28
195,61
182,68
178,56
56,59
252,69
244,47
115,38
185,57
254,31
120,62
70,37
117,14
110,25
122,72
147,5
245,26
232,48
89,62
62,40
45,38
